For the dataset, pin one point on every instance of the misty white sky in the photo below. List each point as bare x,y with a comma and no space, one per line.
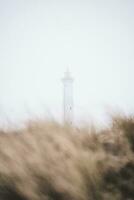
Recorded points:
39,39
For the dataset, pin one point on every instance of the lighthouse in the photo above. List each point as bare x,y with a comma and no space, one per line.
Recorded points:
68,97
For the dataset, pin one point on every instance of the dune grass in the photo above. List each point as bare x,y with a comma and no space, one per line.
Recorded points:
48,161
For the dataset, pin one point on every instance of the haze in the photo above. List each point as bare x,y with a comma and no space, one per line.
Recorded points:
39,39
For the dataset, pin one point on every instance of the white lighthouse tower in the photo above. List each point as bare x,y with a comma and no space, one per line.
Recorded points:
68,97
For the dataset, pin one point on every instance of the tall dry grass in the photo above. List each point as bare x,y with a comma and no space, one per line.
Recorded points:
48,161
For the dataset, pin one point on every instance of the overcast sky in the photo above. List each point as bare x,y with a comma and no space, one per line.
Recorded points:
39,39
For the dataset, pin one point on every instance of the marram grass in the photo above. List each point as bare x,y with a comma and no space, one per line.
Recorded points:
48,161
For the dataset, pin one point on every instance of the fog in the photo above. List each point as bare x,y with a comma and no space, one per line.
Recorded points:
39,39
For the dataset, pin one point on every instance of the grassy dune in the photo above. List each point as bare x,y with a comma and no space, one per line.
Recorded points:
48,161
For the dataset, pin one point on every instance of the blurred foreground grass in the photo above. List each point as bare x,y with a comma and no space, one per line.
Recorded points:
48,161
